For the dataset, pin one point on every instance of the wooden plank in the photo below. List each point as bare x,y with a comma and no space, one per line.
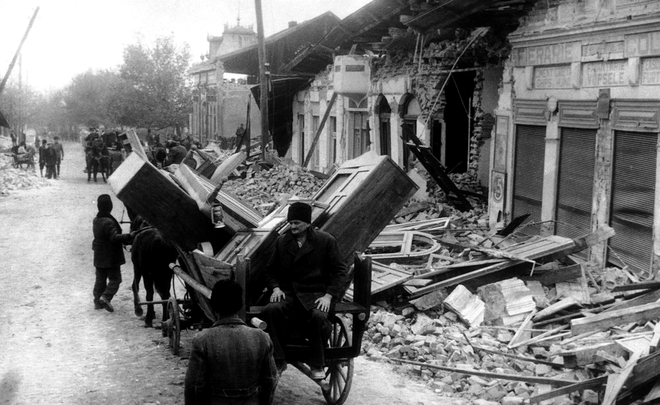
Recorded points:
655,340
237,215
549,277
646,298
605,320
383,278
615,382
542,337
212,270
579,386
526,324
152,194
647,285
500,376
654,394
559,246
227,167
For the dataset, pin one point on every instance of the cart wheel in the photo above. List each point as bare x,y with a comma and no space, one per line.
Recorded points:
174,328
341,370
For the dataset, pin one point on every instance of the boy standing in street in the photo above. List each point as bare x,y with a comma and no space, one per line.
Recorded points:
108,253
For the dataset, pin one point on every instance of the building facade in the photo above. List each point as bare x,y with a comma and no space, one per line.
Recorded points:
220,104
577,125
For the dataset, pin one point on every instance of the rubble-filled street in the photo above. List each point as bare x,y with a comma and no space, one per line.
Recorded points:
58,349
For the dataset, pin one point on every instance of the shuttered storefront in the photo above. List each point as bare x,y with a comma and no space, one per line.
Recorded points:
633,184
575,182
528,173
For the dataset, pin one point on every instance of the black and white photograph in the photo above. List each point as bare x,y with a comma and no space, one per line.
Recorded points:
360,202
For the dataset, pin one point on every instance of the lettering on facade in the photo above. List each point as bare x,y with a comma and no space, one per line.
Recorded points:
552,77
354,68
603,49
604,74
650,71
646,44
564,52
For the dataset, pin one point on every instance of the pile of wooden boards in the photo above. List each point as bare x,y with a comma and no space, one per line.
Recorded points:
548,306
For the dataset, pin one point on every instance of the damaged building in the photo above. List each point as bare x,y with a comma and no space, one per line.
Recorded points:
549,106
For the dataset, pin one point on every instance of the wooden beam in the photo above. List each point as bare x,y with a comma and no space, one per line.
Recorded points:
582,385
648,285
501,376
606,320
615,381
310,153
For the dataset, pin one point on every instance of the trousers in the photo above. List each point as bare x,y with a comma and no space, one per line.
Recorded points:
107,282
290,313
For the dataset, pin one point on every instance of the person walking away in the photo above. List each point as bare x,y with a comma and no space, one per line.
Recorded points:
59,150
14,139
306,275
231,362
108,253
51,162
42,157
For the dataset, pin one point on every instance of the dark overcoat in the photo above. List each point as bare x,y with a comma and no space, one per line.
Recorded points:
231,363
108,242
309,271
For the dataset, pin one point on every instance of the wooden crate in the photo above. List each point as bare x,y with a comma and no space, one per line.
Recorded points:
362,197
152,194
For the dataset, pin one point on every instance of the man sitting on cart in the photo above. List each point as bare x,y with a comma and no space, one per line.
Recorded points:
306,275
230,363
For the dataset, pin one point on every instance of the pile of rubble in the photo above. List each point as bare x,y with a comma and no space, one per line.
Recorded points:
11,178
490,316
551,329
264,189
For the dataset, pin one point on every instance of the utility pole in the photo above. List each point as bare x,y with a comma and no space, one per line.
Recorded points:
18,51
263,79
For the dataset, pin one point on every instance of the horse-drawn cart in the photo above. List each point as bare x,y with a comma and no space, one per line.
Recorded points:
354,205
348,318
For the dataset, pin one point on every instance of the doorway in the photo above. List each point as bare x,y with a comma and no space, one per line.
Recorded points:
458,120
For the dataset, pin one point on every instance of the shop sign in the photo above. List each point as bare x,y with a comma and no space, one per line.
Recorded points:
565,52
604,74
650,71
552,77
646,44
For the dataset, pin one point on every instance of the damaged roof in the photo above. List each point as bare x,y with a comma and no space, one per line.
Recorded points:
283,47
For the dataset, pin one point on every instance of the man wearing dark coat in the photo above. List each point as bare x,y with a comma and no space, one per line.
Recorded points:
108,253
306,275
230,363
175,155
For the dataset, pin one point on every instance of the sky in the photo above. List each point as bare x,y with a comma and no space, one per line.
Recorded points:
70,37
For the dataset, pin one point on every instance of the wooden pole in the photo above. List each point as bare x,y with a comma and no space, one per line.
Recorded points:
263,81
18,51
310,153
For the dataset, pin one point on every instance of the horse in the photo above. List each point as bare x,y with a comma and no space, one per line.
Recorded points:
151,255
116,158
92,162
97,160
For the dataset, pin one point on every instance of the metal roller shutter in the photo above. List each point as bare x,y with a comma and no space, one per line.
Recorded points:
633,192
528,173
577,155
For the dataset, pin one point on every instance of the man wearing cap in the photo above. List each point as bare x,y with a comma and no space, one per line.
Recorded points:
306,275
230,363
108,253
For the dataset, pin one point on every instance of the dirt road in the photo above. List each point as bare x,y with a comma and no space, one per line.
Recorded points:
55,348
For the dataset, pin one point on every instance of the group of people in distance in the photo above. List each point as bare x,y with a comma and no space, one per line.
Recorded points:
231,362
50,155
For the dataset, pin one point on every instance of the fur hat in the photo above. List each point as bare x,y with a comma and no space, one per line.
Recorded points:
104,203
300,212
226,297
